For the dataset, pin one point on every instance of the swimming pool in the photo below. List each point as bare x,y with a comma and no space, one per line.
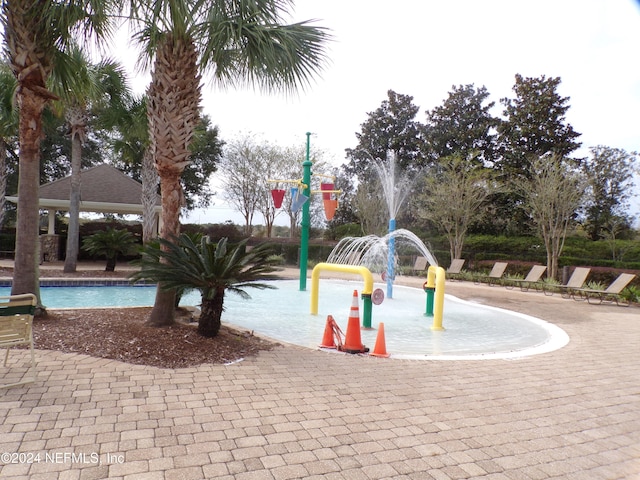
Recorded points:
91,296
471,330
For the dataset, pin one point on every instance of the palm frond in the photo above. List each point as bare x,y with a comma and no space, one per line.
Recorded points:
262,53
205,266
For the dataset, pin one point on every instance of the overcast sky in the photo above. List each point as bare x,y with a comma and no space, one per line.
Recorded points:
423,48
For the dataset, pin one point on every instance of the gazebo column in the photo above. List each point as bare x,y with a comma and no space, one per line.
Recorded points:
49,243
52,222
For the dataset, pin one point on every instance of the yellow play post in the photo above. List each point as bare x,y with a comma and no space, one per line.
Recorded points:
435,279
367,290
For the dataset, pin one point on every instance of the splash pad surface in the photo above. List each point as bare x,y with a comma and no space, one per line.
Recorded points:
472,331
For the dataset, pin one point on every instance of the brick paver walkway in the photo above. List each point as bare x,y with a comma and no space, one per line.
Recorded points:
297,413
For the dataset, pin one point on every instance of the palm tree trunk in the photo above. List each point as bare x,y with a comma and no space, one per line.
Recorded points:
111,264
163,312
26,272
149,195
3,179
211,315
73,231
173,101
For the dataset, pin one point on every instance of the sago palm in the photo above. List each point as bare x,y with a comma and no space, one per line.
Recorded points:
111,243
237,42
35,37
211,268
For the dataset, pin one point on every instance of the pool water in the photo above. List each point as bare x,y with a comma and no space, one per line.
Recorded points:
471,330
94,296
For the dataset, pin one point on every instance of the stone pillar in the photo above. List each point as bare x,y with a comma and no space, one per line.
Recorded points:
49,248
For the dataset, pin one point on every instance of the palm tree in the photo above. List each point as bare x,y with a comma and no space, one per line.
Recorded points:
92,88
8,127
238,41
132,147
35,36
110,243
211,268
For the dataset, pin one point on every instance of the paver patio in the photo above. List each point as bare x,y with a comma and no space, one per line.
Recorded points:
298,413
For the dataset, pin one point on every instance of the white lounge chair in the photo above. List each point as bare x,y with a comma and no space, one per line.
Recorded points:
420,264
531,280
455,268
16,319
495,275
610,295
576,280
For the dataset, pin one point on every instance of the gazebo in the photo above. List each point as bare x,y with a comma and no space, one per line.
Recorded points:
103,189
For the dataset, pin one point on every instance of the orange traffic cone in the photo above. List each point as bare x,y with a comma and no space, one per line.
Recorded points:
354,311
352,340
327,339
380,350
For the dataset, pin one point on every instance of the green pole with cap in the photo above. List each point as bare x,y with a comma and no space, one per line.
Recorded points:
305,225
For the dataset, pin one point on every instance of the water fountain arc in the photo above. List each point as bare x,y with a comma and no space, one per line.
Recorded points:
396,189
373,252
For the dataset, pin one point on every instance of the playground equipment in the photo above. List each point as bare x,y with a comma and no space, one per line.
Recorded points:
367,290
300,200
330,204
395,192
298,197
434,287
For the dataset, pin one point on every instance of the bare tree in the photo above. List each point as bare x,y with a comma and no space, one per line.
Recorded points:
552,195
612,228
371,208
241,169
454,197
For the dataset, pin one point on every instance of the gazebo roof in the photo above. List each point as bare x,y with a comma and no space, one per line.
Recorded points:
103,188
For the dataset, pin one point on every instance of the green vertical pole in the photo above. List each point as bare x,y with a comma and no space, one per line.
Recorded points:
305,225
366,310
430,297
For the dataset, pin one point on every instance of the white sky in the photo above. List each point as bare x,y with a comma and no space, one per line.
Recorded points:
423,48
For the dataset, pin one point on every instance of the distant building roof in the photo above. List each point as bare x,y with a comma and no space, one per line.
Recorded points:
103,188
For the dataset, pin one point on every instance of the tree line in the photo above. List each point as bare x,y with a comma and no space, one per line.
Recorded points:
518,174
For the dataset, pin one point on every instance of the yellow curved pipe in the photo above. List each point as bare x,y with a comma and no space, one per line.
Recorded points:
334,267
438,274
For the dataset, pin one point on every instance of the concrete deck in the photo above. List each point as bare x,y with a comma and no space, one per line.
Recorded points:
297,413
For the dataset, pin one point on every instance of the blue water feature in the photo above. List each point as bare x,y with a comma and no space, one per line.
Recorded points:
471,330
391,258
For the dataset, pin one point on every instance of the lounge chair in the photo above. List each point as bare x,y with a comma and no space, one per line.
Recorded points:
455,268
16,319
420,265
576,281
495,275
531,280
610,295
